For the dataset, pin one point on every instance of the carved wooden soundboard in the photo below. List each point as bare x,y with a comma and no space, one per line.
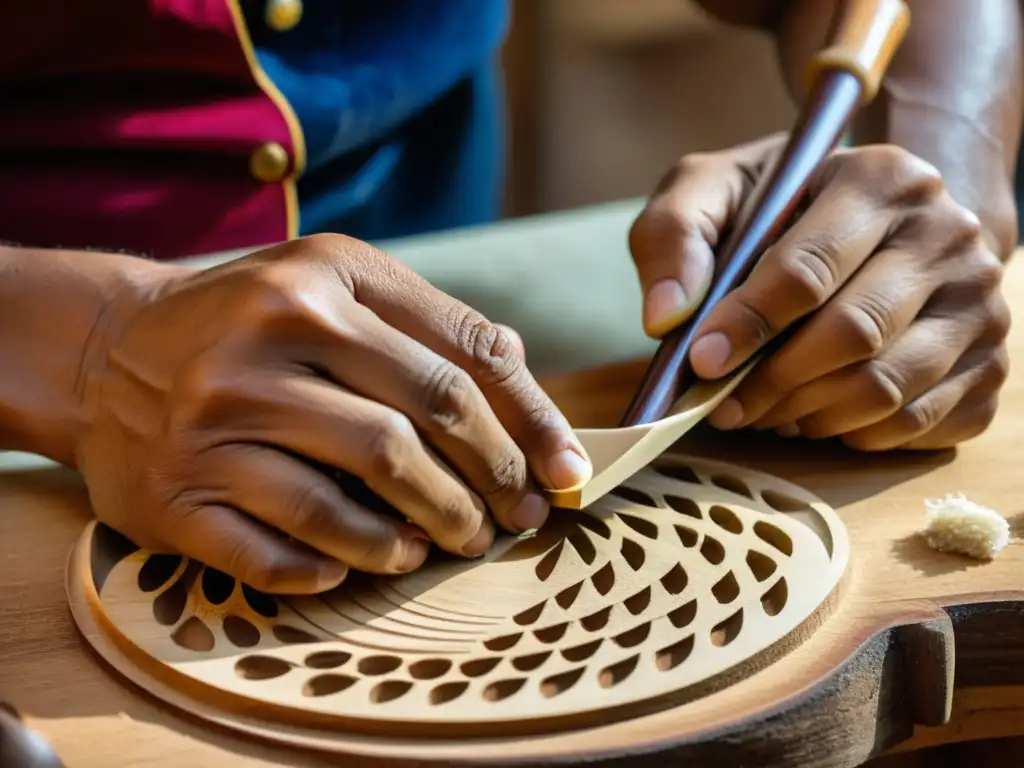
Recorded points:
687,578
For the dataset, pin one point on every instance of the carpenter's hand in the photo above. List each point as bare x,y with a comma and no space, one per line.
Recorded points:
905,348
220,403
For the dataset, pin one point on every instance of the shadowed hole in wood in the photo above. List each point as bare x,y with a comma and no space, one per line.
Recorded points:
780,502
325,685
684,615
633,637
687,536
712,550
760,565
531,662
671,657
429,669
643,527
725,632
774,600
169,605
638,603
389,690
568,596
769,534
157,571
597,526
503,689
632,494
217,586
727,589
633,554
597,620
725,519
581,652
675,580
684,506
479,667
546,566
194,635
502,643
446,692
732,484
604,579
561,682
530,615
617,673
551,634
327,659
261,667
373,666
678,472
583,546
261,603
293,635
241,633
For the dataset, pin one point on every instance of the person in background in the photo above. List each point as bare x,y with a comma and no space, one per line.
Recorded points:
210,411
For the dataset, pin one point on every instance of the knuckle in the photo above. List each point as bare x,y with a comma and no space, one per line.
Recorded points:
202,393
866,325
918,417
883,385
507,471
963,227
388,447
984,269
456,519
449,397
492,356
906,178
998,320
759,325
310,510
996,370
811,272
659,228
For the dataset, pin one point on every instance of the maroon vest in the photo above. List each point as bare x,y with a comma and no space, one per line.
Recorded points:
144,125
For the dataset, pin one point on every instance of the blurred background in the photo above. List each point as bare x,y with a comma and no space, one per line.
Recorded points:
587,78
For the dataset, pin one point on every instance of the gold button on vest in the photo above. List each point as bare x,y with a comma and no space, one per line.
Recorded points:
282,15
269,162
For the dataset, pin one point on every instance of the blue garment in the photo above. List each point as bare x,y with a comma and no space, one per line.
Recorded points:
400,102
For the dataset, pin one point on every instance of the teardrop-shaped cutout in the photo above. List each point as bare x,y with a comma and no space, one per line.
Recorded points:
479,667
531,662
774,600
568,596
712,550
671,657
643,527
551,634
638,603
632,494
617,673
687,536
726,519
633,637
583,545
530,615
157,571
503,689
678,472
261,667
194,635
595,525
217,586
241,632
327,659
726,631
502,643
675,580
292,635
381,664
760,565
547,564
260,602
732,484
389,690
684,506
727,589
325,685
583,652
597,620
604,579
560,683
169,605
446,692
769,534
429,669
633,554
780,502
684,615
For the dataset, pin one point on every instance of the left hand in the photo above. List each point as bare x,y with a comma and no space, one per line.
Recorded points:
906,344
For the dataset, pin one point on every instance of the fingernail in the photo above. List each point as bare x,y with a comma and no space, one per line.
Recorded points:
567,469
664,306
530,514
330,575
481,542
727,415
710,354
788,430
416,551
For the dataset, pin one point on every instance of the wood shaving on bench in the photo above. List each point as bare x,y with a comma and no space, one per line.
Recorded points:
957,524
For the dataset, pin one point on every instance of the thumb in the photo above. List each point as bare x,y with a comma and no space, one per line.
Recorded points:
672,242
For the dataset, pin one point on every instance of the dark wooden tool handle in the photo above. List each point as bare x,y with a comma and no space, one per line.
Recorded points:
866,36
21,747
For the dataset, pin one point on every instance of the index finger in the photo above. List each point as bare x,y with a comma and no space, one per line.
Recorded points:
407,302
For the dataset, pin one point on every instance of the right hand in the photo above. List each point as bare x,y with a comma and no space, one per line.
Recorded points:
216,399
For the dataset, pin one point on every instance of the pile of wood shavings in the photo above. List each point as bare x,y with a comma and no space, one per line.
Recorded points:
957,524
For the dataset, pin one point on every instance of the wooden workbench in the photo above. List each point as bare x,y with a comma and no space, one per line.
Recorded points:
93,718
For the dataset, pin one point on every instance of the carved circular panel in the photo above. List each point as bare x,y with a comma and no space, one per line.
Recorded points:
687,578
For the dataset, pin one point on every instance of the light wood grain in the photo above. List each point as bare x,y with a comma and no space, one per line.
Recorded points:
837,700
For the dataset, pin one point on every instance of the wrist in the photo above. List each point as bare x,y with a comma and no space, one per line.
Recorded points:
53,308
